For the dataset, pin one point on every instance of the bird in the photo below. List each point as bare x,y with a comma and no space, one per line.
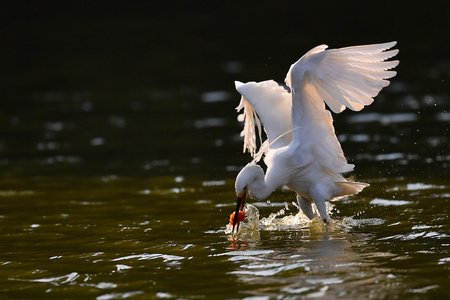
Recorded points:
301,150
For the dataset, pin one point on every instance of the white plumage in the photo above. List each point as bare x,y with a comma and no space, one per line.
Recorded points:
302,150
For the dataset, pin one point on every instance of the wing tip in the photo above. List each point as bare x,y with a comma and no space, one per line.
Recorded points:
387,46
391,44
395,63
238,84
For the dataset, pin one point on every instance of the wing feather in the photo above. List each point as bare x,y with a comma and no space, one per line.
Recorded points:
347,77
317,133
367,49
249,117
333,103
272,104
373,58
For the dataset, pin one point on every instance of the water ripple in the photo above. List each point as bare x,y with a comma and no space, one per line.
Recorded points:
215,96
382,118
244,254
146,256
416,235
268,271
386,202
119,295
58,280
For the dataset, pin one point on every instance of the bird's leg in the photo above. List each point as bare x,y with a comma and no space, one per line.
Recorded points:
322,208
319,199
305,206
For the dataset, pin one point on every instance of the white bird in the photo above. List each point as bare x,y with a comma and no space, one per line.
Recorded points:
302,150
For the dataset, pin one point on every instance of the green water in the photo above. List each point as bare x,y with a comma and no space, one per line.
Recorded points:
112,237
119,147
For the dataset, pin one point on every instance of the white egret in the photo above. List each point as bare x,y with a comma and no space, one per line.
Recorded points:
302,150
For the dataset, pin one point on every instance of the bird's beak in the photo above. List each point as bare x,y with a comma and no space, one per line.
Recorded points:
240,201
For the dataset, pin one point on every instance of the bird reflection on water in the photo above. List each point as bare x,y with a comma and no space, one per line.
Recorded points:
315,256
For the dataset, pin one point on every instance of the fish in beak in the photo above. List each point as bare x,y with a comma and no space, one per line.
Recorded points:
240,201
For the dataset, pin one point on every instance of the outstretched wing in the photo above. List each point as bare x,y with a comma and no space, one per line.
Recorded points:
270,102
347,77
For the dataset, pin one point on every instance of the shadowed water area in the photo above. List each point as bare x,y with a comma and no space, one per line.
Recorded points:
119,147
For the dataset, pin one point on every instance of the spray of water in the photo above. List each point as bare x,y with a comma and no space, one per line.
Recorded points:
284,219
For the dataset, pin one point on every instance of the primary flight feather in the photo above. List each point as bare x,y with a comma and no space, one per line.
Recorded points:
302,150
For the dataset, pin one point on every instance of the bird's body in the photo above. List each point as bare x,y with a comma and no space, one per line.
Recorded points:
302,150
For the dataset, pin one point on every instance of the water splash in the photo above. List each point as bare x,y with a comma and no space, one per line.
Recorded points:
249,228
284,219
275,222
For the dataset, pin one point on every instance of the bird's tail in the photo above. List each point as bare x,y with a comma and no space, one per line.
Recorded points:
350,188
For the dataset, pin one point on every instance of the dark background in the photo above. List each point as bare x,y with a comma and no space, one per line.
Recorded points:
154,44
148,63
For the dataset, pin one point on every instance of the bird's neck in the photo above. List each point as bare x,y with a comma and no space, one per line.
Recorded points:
262,188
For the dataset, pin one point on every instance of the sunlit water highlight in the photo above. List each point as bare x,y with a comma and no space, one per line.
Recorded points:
378,244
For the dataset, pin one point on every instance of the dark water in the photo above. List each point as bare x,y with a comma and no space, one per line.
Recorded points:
119,146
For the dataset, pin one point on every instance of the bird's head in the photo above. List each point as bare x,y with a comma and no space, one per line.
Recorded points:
247,180
250,178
